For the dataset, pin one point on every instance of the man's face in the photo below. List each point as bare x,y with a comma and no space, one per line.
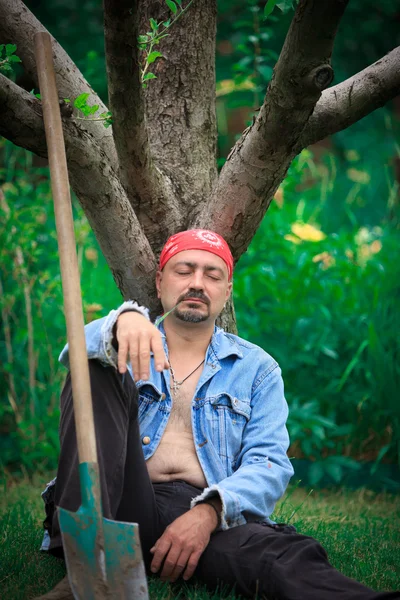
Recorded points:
198,280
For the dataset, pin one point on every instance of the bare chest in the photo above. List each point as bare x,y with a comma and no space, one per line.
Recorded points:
181,413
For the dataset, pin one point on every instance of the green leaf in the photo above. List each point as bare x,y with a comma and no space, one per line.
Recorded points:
269,7
172,6
335,471
153,56
66,100
80,101
167,23
14,58
381,454
1,48
93,109
154,24
10,49
265,71
149,76
179,2
143,39
315,473
354,361
285,5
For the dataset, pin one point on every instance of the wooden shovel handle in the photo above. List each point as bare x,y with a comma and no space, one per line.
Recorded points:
66,245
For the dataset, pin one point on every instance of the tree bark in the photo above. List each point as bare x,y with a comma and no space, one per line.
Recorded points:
353,99
149,191
21,119
180,103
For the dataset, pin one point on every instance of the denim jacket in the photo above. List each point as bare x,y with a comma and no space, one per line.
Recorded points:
239,417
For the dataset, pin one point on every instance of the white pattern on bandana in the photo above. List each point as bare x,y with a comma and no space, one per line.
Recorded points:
207,237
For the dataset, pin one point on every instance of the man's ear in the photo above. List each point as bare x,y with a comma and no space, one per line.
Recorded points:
229,291
158,283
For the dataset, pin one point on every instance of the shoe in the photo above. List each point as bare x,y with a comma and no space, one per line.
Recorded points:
62,591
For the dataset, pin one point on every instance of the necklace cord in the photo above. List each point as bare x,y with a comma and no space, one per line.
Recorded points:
179,383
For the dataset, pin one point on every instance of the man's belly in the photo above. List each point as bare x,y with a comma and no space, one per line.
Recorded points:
176,458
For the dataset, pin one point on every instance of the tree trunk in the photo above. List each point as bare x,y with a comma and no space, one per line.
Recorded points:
154,172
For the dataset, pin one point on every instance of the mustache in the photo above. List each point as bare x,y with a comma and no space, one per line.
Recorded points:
195,294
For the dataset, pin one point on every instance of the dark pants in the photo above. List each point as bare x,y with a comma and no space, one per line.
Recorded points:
273,562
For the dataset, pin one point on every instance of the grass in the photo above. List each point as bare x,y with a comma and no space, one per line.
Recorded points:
360,530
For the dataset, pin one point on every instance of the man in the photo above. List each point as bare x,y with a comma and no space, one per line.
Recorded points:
195,452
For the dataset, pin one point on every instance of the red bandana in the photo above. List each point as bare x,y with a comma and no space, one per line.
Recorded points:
197,239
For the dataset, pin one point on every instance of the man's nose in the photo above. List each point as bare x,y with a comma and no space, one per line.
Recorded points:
197,281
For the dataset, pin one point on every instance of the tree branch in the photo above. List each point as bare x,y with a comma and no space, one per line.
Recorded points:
260,159
97,186
18,26
21,119
344,104
150,193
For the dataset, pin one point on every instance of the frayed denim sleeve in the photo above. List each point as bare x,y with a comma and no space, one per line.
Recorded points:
263,470
99,335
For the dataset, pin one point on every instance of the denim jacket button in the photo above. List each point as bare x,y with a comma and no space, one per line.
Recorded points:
146,440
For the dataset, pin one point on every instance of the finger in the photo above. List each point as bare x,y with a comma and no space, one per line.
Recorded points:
170,562
160,359
160,550
191,565
179,566
122,355
144,356
134,357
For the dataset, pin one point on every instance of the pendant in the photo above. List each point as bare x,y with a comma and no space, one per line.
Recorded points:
175,389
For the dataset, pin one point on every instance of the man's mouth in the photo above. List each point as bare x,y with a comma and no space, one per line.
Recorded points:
191,300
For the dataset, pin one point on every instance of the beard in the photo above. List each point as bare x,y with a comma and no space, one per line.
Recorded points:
191,315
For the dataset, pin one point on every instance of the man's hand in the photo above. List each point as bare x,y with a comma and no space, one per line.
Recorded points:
136,337
183,542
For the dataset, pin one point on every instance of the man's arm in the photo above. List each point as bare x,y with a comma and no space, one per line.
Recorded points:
136,339
264,469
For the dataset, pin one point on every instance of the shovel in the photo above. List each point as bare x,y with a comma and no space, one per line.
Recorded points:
104,557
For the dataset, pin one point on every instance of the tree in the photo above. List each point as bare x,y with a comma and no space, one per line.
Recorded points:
154,172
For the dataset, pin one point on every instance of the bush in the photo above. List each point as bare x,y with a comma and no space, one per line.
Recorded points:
324,305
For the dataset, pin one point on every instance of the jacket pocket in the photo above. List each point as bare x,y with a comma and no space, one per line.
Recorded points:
228,418
148,395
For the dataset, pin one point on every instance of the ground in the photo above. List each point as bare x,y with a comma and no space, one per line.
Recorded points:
360,531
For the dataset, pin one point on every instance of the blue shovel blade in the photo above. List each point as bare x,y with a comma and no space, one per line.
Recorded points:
104,557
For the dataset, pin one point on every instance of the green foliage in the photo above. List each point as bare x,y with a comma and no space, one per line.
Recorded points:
323,303
32,325
88,112
284,6
8,57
